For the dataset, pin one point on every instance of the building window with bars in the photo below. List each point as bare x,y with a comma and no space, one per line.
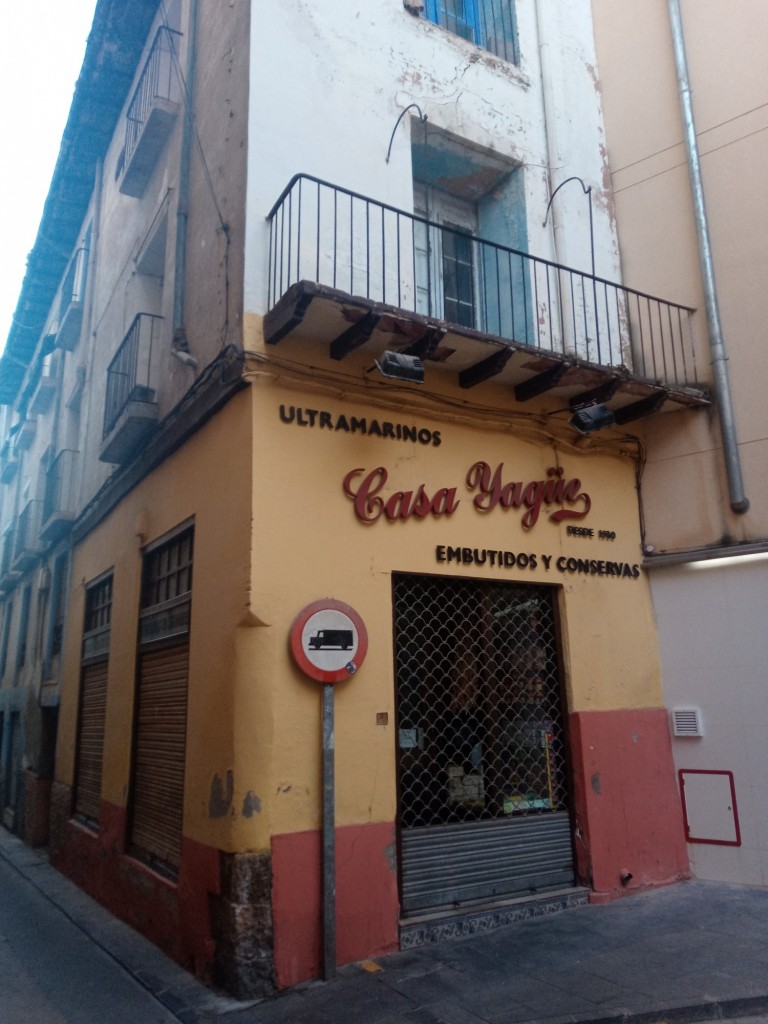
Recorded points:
93,700
157,785
487,23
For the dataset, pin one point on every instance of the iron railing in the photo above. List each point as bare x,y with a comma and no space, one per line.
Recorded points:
129,375
6,558
157,82
487,23
73,285
323,233
60,481
28,524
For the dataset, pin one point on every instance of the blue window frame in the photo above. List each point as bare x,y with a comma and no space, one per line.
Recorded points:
487,23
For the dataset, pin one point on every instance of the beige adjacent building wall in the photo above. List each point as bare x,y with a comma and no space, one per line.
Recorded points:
710,614
654,213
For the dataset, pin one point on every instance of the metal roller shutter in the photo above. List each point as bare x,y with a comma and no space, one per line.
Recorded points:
158,780
483,775
483,860
90,754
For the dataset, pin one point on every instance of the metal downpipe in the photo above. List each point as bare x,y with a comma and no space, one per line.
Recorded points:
739,501
182,214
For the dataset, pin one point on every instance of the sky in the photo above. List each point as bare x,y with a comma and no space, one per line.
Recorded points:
41,51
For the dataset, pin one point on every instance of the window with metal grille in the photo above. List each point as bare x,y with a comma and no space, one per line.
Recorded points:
487,23
479,705
483,797
93,700
157,791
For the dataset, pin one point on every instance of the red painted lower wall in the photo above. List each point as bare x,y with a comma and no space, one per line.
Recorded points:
173,915
367,903
628,815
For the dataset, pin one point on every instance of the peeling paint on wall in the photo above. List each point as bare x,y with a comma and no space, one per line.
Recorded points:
251,804
220,801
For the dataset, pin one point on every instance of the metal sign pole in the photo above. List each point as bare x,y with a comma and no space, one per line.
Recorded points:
329,838
329,642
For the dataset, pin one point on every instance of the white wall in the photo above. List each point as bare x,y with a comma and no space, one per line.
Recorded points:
329,79
713,642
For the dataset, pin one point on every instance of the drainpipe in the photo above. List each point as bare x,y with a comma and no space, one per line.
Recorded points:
180,342
739,501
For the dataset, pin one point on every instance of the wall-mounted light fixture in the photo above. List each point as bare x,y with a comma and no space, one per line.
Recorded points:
591,418
401,367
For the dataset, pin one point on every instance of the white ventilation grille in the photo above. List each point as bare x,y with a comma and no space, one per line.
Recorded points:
687,722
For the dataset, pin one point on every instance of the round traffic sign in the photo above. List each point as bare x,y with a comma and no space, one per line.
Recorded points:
329,641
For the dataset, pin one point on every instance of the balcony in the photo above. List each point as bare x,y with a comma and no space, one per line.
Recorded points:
45,388
8,576
59,502
72,300
27,544
346,271
151,114
26,433
130,410
9,462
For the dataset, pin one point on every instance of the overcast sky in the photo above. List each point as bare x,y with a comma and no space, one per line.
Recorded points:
42,44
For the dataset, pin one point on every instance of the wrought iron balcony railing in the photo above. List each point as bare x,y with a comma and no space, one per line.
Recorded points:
157,82
348,242
151,113
59,499
71,300
73,286
129,375
27,543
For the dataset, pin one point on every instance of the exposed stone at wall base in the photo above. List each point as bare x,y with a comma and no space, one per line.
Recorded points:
241,918
60,811
37,806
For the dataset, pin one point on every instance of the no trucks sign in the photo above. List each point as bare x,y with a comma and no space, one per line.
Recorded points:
329,641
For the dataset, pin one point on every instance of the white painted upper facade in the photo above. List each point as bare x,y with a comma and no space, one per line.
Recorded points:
329,80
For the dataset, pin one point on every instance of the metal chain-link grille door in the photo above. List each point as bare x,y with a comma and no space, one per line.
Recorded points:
482,764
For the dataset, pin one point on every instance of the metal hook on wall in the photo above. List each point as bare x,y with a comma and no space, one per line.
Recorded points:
587,189
422,119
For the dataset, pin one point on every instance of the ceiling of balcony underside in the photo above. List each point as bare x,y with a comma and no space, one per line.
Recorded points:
340,324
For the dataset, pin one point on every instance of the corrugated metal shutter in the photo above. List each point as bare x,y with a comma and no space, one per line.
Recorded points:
444,866
158,780
483,774
90,753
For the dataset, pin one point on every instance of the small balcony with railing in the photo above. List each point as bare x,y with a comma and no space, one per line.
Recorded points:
152,113
46,384
9,461
60,498
71,301
347,272
28,543
130,409
9,576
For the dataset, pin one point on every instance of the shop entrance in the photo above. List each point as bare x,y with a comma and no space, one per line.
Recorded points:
483,782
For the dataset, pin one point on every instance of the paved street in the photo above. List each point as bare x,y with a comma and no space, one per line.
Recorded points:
689,952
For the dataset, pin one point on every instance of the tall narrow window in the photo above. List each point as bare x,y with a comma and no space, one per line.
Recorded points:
157,795
4,642
446,265
93,699
21,648
57,609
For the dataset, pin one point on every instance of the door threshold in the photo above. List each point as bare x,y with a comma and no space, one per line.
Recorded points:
455,923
